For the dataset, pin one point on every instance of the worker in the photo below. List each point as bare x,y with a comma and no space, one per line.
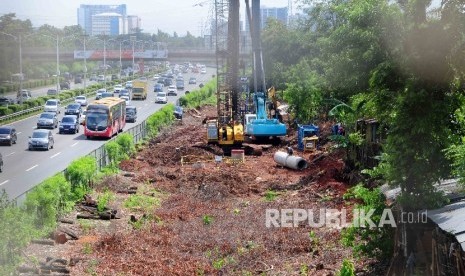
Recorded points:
290,151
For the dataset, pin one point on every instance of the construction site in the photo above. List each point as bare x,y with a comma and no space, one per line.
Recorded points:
206,184
208,216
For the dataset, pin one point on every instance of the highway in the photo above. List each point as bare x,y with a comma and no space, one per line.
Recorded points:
23,169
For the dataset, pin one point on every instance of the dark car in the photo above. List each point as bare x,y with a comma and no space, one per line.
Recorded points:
65,85
168,81
77,79
158,87
180,84
124,92
6,101
161,80
74,109
69,124
178,112
47,120
131,113
1,162
8,135
41,139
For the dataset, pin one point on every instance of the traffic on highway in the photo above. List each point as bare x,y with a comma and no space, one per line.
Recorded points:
24,168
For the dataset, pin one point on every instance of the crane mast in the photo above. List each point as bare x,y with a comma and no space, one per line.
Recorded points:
227,129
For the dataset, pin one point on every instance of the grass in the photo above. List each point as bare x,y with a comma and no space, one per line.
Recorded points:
207,219
271,195
141,202
86,225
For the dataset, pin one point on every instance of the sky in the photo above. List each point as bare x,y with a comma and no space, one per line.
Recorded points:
169,16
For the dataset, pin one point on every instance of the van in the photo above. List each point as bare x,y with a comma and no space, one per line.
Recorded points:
24,94
131,113
52,92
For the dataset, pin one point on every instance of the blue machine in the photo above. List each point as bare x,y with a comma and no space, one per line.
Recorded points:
261,126
258,124
307,137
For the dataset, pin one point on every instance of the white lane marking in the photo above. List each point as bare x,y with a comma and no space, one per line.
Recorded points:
18,133
74,144
55,155
4,182
10,154
32,168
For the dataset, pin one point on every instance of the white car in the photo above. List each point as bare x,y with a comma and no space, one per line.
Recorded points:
82,118
161,98
128,84
117,88
52,105
82,100
126,98
203,71
172,91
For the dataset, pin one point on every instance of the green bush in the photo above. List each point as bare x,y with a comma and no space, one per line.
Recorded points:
16,229
126,142
5,111
49,200
80,173
160,119
15,107
114,152
374,242
347,269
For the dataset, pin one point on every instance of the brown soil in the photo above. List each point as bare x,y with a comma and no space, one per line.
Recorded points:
211,219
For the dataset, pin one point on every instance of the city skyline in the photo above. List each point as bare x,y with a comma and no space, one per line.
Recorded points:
168,16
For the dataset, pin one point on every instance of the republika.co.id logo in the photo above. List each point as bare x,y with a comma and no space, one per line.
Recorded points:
334,218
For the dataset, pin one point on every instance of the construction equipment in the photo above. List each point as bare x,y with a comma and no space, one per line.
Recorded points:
260,123
307,137
227,128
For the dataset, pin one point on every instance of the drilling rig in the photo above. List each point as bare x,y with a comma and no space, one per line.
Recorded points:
228,128
260,124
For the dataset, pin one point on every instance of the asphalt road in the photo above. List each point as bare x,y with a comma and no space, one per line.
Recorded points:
23,169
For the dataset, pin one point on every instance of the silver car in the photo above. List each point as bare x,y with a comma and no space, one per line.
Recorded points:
41,139
47,120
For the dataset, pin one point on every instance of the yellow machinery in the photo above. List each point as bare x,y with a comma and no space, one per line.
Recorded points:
227,129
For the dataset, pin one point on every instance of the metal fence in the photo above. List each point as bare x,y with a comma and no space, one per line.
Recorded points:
138,132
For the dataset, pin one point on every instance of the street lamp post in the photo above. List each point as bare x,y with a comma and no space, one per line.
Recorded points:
104,64
19,38
85,61
133,40
58,65
58,55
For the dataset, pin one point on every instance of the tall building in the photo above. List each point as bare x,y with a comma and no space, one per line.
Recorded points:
133,24
107,23
280,14
114,17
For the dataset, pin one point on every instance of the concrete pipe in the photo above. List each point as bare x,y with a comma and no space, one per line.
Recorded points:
290,161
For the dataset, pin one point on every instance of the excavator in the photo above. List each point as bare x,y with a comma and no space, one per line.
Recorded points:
228,128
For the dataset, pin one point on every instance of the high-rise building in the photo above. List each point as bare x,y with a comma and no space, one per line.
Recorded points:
133,24
107,23
280,14
108,19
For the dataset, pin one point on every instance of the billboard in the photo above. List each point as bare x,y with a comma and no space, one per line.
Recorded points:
125,54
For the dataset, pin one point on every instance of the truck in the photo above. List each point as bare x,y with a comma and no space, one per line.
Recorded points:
139,90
